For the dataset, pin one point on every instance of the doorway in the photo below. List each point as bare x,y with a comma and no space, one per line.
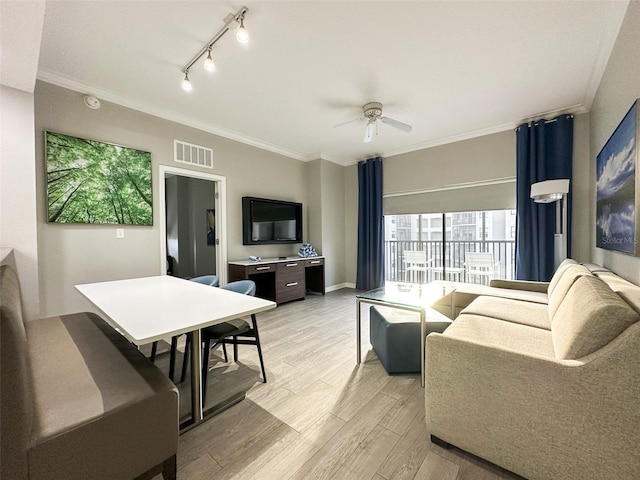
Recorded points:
193,238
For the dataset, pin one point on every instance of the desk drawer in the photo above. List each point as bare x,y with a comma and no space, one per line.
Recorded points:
313,262
291,290
291,266
290,281
260,268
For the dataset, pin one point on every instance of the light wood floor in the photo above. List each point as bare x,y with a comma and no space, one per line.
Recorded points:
320,416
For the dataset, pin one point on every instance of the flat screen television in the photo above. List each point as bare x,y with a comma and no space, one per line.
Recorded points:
267,221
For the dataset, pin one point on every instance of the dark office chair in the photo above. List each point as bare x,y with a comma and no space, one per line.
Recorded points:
211,280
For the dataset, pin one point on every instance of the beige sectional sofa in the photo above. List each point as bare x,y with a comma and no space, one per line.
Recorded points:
548,389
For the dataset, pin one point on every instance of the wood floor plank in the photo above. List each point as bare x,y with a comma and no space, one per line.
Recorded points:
324,429
410,404
280,457
202,468
406,458
436,467
296,411
368,455
326,462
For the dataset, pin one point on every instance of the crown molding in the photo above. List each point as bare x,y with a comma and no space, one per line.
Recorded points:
65,82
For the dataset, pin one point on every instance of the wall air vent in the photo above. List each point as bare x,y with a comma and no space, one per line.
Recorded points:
184,152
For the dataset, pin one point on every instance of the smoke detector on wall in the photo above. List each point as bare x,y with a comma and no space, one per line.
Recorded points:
91,102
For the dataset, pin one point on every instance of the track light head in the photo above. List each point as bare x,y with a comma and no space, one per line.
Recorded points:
242,35
209,66
186,83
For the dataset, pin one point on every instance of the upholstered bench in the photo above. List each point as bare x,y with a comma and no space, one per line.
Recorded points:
395,336
78,400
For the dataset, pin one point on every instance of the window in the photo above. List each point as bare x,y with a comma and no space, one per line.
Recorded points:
481,231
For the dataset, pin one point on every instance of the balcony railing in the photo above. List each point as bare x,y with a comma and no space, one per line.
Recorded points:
454,258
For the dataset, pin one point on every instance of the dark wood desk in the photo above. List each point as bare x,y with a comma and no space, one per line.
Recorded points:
282,280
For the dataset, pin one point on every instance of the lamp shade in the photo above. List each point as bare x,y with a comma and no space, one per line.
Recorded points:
549,191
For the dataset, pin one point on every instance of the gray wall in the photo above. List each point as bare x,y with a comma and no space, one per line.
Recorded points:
581,190
73,254
333,233
619,88
351,223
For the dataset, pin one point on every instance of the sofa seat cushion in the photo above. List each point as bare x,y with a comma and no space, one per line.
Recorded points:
569,276
525,313
491,332
590,316
95,392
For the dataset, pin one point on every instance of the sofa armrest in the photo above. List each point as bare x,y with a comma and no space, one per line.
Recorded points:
481,398
520,285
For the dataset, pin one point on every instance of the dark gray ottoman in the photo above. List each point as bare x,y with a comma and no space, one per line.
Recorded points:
395,336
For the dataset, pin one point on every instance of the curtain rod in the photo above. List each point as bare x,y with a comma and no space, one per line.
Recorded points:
537,122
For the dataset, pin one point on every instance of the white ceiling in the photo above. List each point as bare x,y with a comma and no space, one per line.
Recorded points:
451,69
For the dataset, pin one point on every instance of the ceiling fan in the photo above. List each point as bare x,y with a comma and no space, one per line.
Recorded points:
372,113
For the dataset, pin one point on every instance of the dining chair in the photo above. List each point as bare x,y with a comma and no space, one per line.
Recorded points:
416,261
211,280
233,332
482,266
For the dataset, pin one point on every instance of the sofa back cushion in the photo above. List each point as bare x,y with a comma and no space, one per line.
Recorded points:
628,291
16,414
590,316
559,272
570,274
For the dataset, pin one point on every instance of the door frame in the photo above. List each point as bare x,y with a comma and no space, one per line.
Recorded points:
221,216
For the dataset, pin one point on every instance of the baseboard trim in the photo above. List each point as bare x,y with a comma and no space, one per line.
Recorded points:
339,286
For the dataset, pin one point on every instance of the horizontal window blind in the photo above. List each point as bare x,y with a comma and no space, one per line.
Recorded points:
496,194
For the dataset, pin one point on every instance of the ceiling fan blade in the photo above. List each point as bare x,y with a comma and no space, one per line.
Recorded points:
395,123
347,122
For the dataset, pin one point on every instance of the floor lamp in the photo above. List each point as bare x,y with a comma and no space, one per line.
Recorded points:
551,191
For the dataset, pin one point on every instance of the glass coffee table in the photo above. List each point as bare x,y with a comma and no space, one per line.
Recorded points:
411,297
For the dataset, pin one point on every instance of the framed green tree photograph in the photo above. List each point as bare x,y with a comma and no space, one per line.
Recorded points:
96,182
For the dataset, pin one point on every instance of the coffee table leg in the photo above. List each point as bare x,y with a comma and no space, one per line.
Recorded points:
196,376
423,331
358,332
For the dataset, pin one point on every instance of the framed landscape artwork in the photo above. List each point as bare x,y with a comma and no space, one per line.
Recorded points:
617,192
96,182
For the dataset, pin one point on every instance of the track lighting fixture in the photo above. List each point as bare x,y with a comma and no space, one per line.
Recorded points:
231,21
209,66
186,83
242,35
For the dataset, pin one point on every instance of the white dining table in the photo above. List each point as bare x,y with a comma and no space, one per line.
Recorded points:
148,309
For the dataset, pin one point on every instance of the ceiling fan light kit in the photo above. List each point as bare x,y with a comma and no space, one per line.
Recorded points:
372,112
231,21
